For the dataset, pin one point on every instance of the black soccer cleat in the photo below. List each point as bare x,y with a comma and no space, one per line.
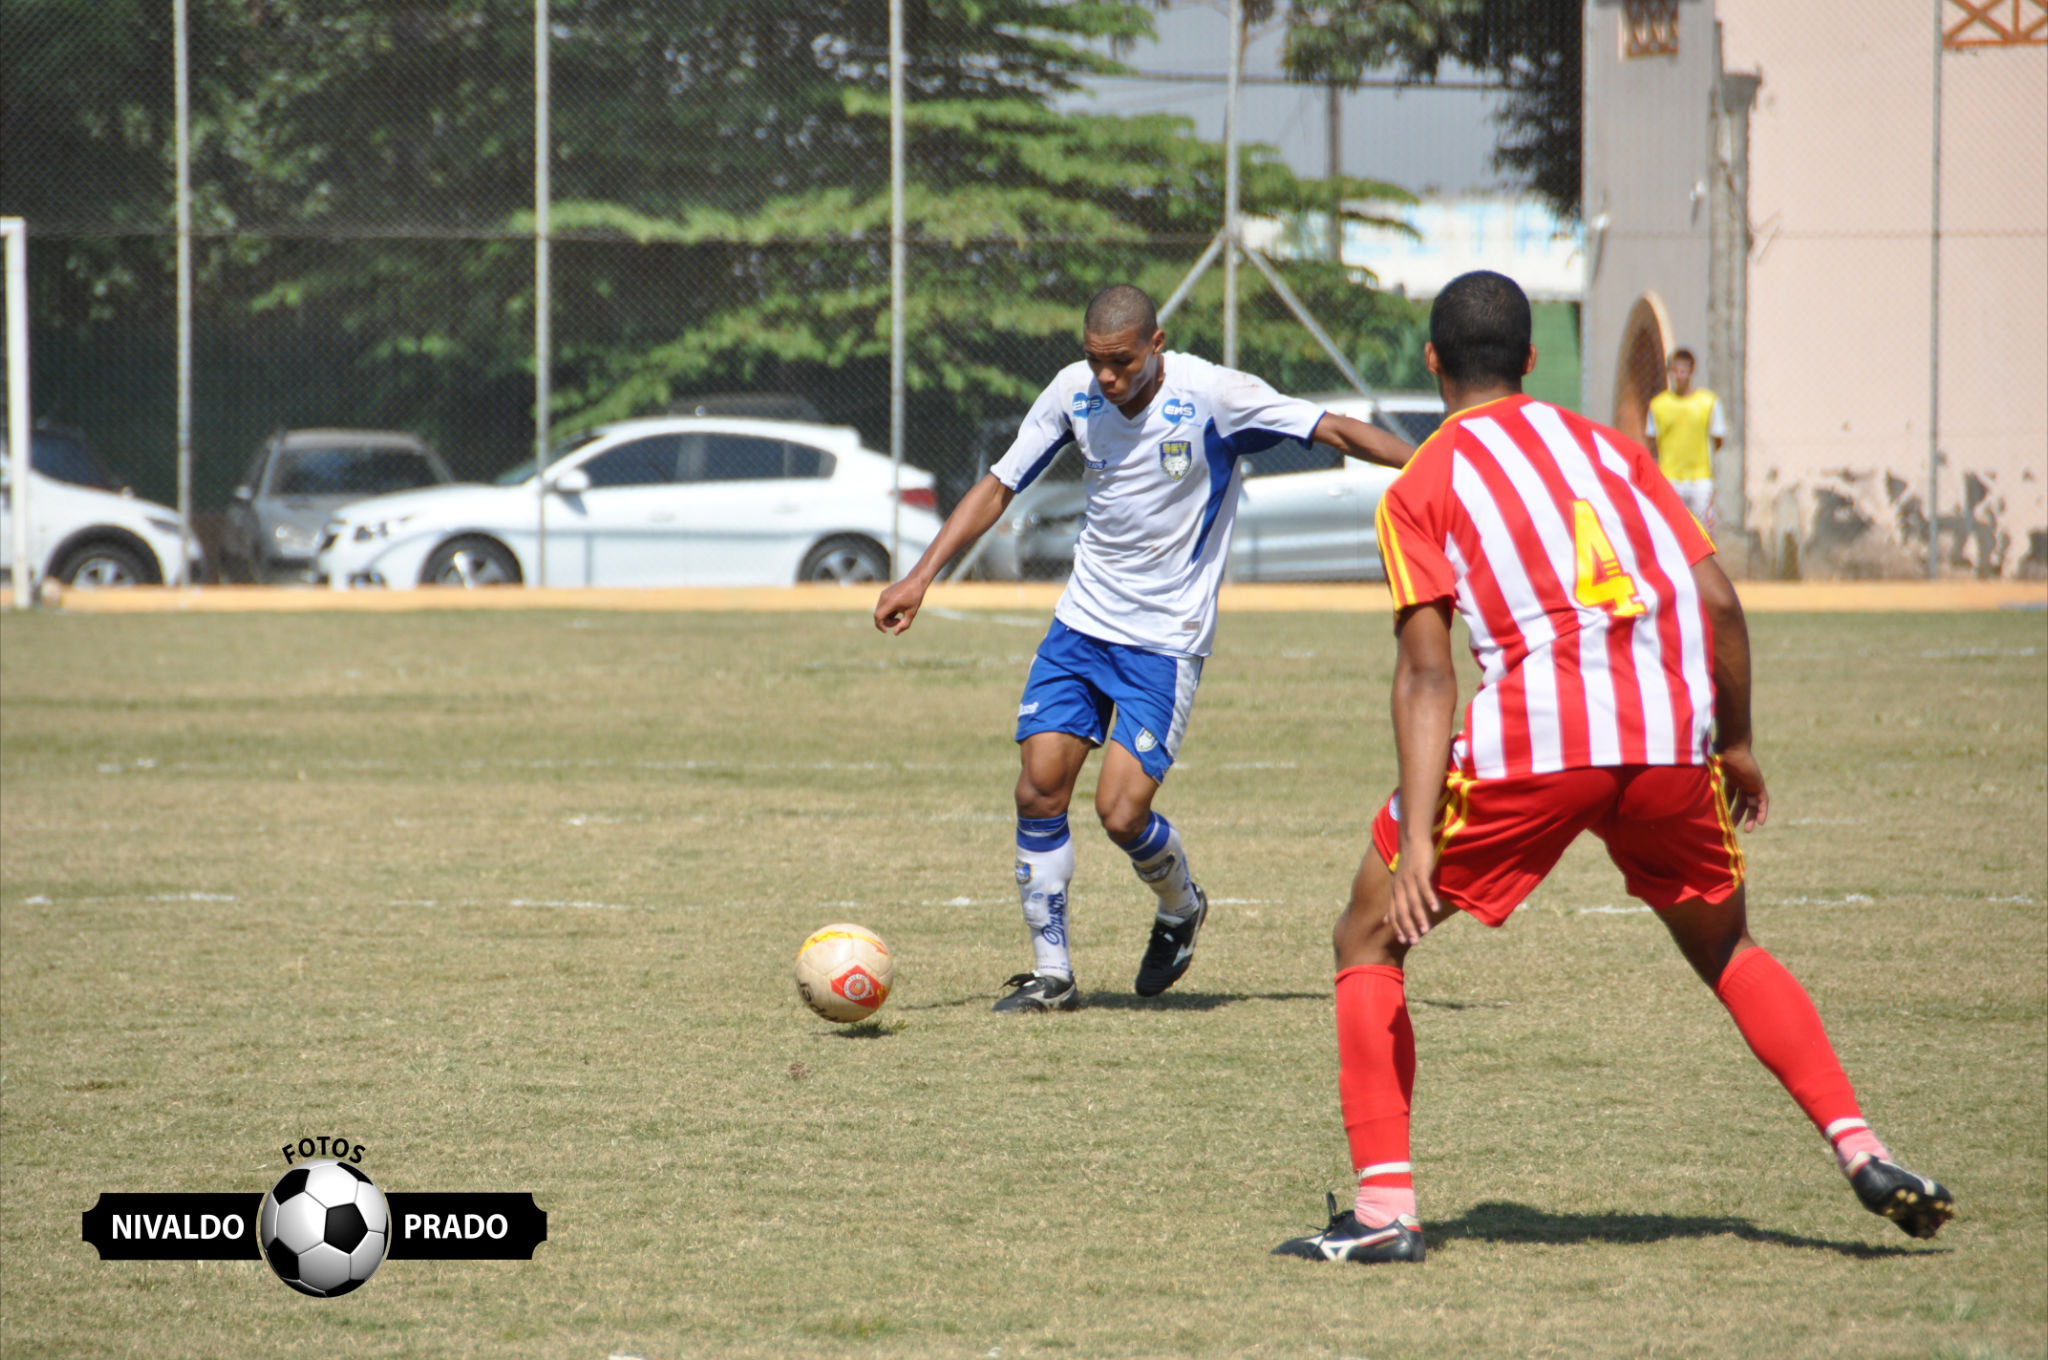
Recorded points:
1347,1239
1038,992
1918,1205
1171,948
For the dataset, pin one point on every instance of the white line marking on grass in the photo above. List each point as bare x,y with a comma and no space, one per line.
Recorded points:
954,902
1607,911
1263,765
580,906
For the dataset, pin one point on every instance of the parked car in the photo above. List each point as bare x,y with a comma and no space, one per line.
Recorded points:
85,528
298,479
661,501
1305,513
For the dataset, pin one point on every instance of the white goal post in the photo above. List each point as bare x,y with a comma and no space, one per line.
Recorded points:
15,232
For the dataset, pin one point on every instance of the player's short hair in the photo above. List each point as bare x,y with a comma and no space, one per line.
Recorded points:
1119,308
1480,327
1684,354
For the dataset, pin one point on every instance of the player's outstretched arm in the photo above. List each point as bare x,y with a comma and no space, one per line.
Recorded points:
981,507
1356,439
1425,706
1749,801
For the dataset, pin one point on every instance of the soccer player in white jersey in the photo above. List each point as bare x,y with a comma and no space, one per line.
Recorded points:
1162,436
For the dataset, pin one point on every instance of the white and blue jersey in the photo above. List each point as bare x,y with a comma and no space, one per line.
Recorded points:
1162,494
1139,612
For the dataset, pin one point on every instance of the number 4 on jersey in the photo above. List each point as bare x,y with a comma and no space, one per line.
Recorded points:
1602,582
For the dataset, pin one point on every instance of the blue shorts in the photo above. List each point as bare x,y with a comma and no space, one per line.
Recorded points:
1076,680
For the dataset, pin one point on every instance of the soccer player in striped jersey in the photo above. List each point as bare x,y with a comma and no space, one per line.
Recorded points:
1613,698
1162,437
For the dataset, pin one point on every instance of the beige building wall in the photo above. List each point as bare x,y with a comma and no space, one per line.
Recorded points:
1840,197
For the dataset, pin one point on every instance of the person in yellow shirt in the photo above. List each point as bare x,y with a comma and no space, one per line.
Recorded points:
1686,431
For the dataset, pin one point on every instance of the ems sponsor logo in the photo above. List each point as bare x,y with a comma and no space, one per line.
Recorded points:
1176,456
1087,403
1179,410
323,1228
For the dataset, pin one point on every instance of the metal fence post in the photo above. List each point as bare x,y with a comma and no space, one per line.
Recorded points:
184,210
19,429
543,298
896,281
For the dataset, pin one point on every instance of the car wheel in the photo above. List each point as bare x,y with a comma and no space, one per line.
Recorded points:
99,566
470,562
846,561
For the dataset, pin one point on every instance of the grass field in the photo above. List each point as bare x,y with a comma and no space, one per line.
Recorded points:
511,898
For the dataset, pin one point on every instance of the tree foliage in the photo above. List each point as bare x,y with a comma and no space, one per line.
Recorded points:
1532,46
363,186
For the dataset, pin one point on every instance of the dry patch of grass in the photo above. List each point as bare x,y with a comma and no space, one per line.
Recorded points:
511,899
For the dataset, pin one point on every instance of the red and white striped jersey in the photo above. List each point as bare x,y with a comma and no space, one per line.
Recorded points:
1570,558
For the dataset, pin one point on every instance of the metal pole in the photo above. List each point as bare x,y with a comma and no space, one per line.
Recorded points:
1308,321
543,296
896,325
1334,115
184,117
1230,185
1187,284
1934,327
19,429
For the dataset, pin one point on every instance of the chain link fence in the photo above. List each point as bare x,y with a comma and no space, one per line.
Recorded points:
363,206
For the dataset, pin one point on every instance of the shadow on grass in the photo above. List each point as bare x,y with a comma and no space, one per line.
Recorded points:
1186,1001
866,1029
1494,1221
1126,1001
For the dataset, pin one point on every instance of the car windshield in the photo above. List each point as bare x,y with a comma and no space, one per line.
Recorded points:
523,469
66,458
359,470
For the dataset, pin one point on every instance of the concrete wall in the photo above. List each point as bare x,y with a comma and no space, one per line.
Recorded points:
1645,190
1841,144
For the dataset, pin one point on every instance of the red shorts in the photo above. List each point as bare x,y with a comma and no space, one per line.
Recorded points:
1666,828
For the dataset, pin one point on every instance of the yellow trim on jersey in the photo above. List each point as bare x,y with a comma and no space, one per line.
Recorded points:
1398,578
1736,864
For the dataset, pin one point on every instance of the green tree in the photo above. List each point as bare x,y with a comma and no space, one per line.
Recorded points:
363,182
1532,46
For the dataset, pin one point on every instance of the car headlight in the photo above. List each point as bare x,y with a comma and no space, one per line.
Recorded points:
375,529
296,538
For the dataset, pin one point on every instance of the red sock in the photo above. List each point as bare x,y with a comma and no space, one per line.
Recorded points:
1376,1079
1783,1029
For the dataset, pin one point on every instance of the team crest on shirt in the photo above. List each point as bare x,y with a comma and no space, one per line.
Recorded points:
1087,403
1176,456
1178,409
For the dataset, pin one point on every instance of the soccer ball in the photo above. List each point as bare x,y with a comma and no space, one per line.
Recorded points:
324,1228
843,972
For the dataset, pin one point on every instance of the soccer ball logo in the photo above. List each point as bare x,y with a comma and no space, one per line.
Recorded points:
324,1228
843,972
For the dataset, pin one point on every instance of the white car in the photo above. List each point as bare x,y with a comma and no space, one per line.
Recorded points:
663,501
84,528
1306,513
